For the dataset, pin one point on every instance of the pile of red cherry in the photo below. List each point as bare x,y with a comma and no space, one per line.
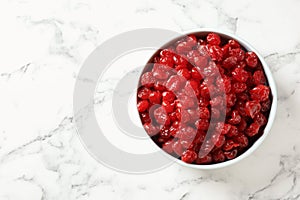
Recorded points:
204,100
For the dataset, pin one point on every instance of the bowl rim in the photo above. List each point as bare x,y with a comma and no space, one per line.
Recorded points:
272,86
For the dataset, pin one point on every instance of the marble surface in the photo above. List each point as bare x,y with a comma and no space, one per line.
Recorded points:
43,45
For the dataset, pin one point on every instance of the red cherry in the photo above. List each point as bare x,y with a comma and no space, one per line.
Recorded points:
234,44
145,117
215,53
222,128
167,61
183,48
251,59
213,39
259,77
174,83
230,62
143,93
191,40
169,107
161,116
142,105
260,93
240,75
229,145
189,156
205,160
195,74
167,146
230,99
260,119
238,53
231,154
252,108
147,79
242,140
242,125
188,133
233,131
215,113
224,82
200,61
166,53
168,96
185,73
265,105
159,85
177,148
155,97
235,117
218,156
204,113
219,141
238,87
253,129
151,129
202,124
179,60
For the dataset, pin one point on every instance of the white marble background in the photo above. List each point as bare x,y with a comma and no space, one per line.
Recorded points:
42,46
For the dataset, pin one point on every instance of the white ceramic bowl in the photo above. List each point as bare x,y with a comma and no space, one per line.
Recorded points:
258,142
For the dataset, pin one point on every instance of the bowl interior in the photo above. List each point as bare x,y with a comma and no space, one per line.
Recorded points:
271,83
